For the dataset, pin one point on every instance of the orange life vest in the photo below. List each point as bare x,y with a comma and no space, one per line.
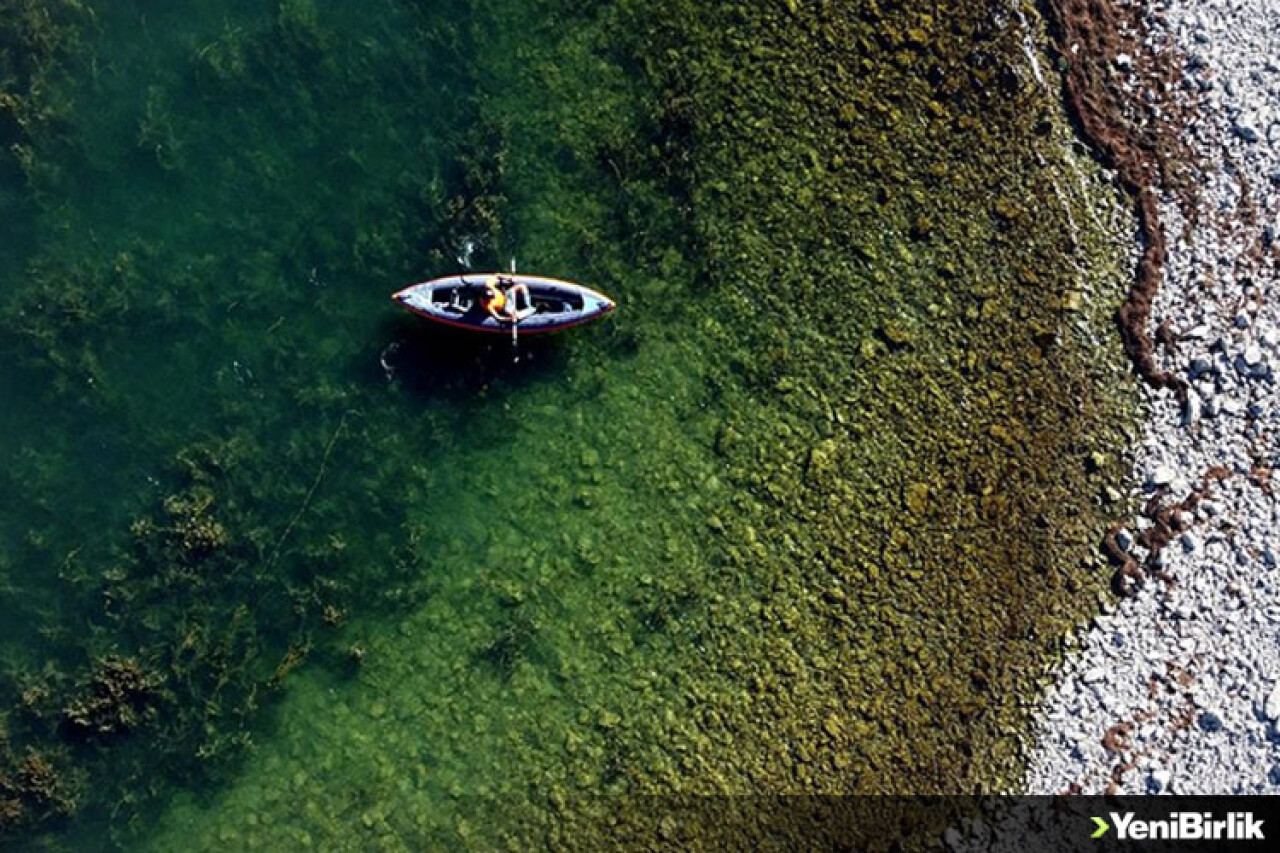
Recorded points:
494,299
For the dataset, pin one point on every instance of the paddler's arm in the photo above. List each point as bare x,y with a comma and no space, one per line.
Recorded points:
517,313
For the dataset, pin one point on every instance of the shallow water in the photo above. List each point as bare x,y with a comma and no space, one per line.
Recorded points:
806,515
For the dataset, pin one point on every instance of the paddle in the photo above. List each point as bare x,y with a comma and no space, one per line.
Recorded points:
515,323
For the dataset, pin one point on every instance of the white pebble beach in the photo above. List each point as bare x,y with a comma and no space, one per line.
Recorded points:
1176,688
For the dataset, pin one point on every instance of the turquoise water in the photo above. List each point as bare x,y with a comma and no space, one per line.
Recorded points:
290,568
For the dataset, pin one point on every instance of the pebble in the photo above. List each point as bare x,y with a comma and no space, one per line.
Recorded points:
1272,706
1209,722
1193,410
1246,128
1207,642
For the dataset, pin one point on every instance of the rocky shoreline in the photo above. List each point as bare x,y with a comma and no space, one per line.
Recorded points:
1176,688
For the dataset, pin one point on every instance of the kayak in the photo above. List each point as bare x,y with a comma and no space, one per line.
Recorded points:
455,301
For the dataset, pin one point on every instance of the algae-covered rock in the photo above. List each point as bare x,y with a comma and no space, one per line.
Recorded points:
916,498
1006,209
821,468
896,334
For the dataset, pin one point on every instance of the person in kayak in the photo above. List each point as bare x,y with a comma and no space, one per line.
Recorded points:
500,296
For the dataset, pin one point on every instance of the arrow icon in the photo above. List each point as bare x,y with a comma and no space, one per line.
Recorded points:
1102,825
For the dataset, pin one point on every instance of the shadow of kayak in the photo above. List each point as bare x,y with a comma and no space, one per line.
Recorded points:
438,363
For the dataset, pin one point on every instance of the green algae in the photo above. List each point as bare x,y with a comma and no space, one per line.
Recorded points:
808,516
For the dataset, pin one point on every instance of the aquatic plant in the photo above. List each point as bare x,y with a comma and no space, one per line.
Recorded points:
35,37
156,133
118,697
32,790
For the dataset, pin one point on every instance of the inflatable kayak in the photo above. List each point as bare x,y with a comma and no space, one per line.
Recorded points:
455,301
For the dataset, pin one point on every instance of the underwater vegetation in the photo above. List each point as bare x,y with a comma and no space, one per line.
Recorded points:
160,640
35,38
811,514
918,440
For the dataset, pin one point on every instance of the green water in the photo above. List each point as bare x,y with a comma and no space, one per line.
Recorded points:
281,567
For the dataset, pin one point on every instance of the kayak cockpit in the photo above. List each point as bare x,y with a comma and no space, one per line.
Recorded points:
463,299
